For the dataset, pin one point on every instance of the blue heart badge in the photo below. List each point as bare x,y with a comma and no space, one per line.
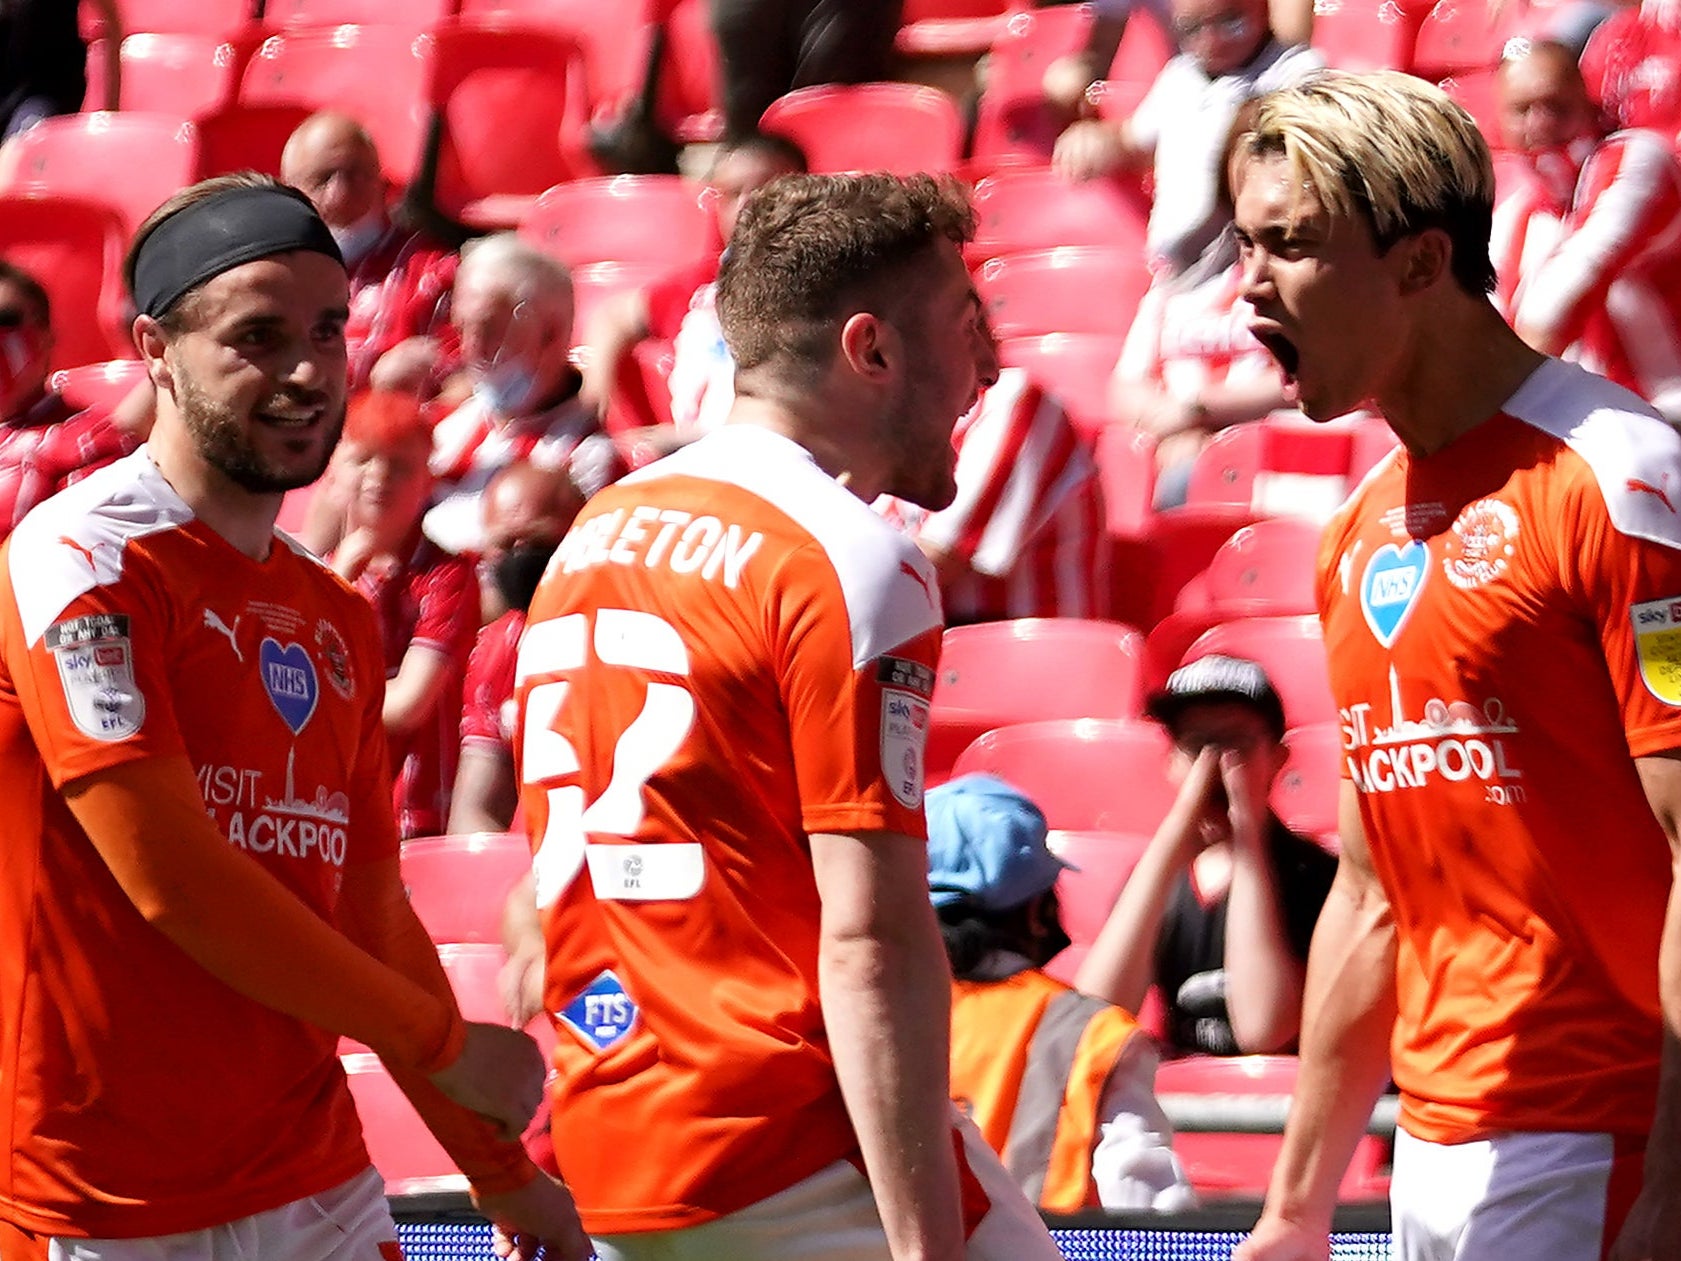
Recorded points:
289,680
1389,589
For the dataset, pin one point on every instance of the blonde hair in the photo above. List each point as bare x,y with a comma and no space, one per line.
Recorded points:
1392,149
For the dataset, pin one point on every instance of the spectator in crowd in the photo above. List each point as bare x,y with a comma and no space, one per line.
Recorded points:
740,168
427,600
1230,55
1632,65
1503,935
513,311
43,61
1061,1084
744,954
1219,913
767,48
527,511
1587,247
44,444
200,866
399,279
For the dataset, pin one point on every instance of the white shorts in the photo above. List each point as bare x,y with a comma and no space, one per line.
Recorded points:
1559,1196
831,1216
349,1222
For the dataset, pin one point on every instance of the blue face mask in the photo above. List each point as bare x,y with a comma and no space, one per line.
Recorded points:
506,388
355,241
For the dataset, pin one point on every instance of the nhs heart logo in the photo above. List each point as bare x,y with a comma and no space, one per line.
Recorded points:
289,679
1389,589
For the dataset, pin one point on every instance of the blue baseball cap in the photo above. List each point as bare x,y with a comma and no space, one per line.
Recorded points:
986,843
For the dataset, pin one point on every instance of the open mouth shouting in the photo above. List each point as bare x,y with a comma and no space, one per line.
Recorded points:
1284,352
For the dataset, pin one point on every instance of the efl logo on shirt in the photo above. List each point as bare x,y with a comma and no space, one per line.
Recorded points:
95,659
1657,645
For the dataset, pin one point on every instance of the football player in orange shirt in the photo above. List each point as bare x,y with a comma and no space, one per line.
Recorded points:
1500,599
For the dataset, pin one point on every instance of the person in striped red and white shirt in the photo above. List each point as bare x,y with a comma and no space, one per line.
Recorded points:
1588,245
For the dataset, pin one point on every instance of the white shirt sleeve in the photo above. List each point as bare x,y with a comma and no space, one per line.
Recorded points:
1133,1165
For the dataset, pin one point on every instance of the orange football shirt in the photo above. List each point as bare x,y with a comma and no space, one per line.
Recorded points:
729,652
1503,623
144,1095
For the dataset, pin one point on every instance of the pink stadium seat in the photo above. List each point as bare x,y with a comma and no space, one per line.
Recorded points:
245,138
950,28
898,127
1075,367
1014,123
1070,289
376,74
1474,92
1126,462
202,17
458,884
511,101
643,218
612,38
1305,793
415,15
473,969
1275,467
173,72
97,384
1105,860
996,673
1086,774
1228,1164
1152,569
1365,34
1036,209
1146,46
1456,35
1370,440
1292,652
74,247
129,162
593,283
399,1144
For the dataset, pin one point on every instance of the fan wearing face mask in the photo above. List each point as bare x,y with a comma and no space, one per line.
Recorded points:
1587,239
512,308
45,444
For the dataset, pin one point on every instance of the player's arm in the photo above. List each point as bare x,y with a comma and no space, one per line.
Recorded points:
1653,1227
1121,963
886,996
1264,977
1348,1016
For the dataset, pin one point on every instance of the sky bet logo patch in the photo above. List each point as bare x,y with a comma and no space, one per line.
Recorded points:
1389,589
603,1014
289,679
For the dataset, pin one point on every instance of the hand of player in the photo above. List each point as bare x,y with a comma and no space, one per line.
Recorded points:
1276,1239
1652,1229
1087,149
499,1074
538,1220
520,984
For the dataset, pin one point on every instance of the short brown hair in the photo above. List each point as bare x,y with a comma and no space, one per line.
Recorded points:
807,247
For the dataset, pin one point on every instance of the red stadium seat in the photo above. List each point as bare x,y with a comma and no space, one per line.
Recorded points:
594,283
612,38
1075,366
1275,467
1086,774
1474,92
1456,35
1146,46
1105,860
129,162
1126,462
1306,791
898,127
1292,652
413,14
170,72
642,218
996,673
246,138
97,384
75,249
1151,570
1238,1164
511,100
952,28
200,17
1014,123
1370,440
458,884
376,74
1366,34
1071,289
1036,209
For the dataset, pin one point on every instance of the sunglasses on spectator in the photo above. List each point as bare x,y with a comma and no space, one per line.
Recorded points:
1231,26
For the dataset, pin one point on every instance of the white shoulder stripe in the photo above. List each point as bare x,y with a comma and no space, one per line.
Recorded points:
892,593
1633,453
75,541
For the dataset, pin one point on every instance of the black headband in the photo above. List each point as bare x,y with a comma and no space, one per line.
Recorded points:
218,234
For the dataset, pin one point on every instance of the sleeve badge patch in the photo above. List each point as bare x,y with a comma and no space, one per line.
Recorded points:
904,736
95,658
1657,646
